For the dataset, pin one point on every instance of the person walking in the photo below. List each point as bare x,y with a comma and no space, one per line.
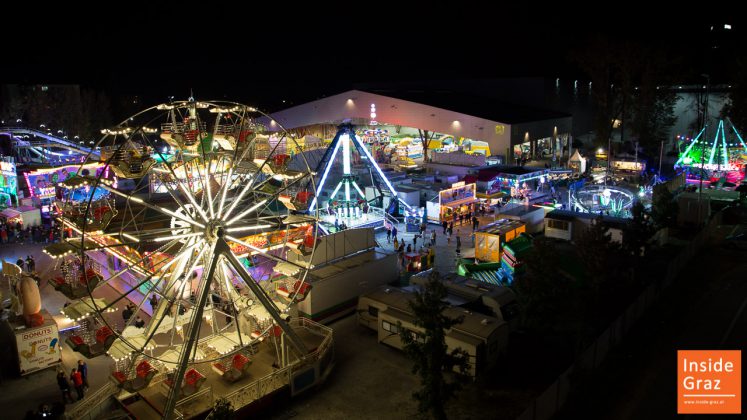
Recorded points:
433,237
458,242
77,380
394,232
388,234
154,301
83,369
415,241
396,244
139,323
451,229
64,385
445,225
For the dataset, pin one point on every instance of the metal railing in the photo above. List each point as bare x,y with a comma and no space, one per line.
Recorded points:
100,400
282,377
94,404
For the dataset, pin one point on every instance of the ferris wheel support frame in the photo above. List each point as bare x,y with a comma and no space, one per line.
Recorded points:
221,248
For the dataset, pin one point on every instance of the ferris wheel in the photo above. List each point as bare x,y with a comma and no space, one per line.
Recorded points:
198,214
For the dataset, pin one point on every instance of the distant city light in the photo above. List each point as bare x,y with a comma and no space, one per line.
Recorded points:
727,26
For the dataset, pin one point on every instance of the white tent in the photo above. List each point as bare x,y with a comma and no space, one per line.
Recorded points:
577,162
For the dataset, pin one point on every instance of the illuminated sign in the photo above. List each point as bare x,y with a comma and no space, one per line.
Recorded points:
8,168
44,179
500,129
457,184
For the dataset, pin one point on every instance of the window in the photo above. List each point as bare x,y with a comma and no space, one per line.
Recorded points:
373,311
389,327
557,224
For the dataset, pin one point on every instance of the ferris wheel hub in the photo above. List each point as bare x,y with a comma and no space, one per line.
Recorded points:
214,230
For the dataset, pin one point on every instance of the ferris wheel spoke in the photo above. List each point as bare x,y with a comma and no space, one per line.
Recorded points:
230,182
158,312
247,228
263,252
159,209
194,328
152,289
184,280
265,300
135,265
245,213
253,179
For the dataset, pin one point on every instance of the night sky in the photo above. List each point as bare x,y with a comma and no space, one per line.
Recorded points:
264,57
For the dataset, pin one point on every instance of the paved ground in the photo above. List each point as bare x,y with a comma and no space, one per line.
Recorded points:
446,257
20,394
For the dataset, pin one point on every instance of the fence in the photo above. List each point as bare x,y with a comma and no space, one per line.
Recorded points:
552,399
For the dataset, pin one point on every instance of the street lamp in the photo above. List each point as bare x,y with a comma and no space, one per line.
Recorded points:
705,137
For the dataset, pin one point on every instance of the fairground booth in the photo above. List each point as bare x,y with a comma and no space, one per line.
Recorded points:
459,200
518,181
8,182
42,183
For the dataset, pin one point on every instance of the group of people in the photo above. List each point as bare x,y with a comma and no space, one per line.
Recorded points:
127,313
78,379
16,233
340,226
29,263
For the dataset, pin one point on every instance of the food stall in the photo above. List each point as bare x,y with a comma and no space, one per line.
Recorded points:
490,239
459,199
42,182
25,215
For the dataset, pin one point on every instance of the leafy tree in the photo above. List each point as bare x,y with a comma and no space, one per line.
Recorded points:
736,108
664,208
541,291
595,248
425,139
628,76
637,234
222,410
652,113
428,349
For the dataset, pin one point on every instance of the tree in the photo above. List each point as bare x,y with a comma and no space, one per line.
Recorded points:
540,291
652,111
736,108
428,349
222,410
637,233
627,79
610,67
596,250
425,139
664,208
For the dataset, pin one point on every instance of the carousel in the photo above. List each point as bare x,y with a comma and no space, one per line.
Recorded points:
716,161
200,247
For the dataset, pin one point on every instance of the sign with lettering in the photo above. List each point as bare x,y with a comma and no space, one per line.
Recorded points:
38,348
709,382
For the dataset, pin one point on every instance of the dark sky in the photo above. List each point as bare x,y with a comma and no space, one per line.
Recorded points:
269,55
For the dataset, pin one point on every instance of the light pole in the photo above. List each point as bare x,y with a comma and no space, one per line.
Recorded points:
705,137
